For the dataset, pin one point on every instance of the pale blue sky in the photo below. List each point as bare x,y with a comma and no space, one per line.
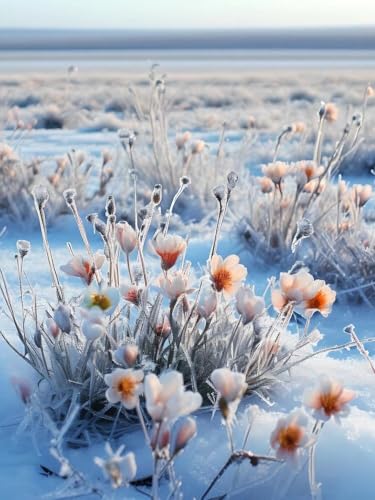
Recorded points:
184,13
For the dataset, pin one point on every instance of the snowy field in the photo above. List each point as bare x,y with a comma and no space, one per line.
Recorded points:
84,110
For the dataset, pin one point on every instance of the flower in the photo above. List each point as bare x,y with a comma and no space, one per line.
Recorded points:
207,303
197,147
226,275
169,248
275,171
93,326
303,291
163,328
23,388
298,127
309,169
104,299
361,193
125,386
330,399
290,435
127,354
23,247
126,237
166,398
315,186
131,293
175,285
83,268
266,185
184,431
330,112
182,139
119,469
230,385
62,318
52,327
321,301
248,304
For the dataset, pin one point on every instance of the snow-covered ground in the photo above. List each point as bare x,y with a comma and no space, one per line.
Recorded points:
345,453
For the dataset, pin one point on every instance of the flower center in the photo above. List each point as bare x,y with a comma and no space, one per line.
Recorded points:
317,302
329,402
101,301
126,386
222,279
169,258
290,437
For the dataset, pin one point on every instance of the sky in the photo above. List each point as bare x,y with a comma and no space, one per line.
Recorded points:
179,14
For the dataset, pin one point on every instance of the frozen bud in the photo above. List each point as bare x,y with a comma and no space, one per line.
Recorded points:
232,180
298,127
126,237
23,388
163,328
41,196
197,147
185,180
38,338
224,408
130,354
321,109
127,138
157,194
110,208
62,318
98,225
370,91
330,112
52,328
93,327
182,139
207,303
219,193
349,329
69,196
305,229
23,247
160,437
266,185
184,430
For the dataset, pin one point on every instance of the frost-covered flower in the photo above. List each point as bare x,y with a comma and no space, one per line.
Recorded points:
321,301
93,326
163,327
126,237
166,398
298,127
105,299
290,435
23,247
197,147
307,294
330,112
131,293
184,430
62,318
175,285
361,193
207,303
23,388
266,185
309,169
229,384
119,469
52,328
275,171
227,275
83,268
126,354
125,386
330,399
169,248
315,186
248,304
182,139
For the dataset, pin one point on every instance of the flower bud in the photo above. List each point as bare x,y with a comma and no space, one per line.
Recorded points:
41,196
62,318
23,247
130,354
185,430
232,180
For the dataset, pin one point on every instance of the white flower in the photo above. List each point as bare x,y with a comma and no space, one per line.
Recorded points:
169,248
83,268
248,304
119,469
175,285
105,300
227,274
207,303
126,237
166,398
125,386
230,385
290,435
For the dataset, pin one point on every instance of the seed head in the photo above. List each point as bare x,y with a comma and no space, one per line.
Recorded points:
69,196
41,196
219,193
23,247
157,194
232,180
110,208
185,180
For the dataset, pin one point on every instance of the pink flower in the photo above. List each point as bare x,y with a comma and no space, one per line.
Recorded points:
207,303
131,293
227,275
83,268
329,400
361,193
169,248
229,384
275,171
175,285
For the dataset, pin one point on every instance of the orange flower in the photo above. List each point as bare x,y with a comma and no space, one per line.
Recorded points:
266,185
329,400
310,169
321,302
169,248
361,193
227,275
330,112
275,171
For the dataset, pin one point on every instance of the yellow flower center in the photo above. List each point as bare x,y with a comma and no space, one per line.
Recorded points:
101,301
